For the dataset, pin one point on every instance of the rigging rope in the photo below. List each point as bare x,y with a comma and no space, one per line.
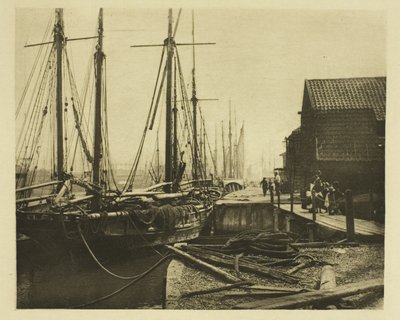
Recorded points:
29,138
21,101
132,173
189,118
106,138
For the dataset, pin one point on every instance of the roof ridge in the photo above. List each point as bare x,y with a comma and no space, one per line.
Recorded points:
350,78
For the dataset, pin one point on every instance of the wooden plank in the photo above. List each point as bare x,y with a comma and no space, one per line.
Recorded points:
298,245
273,288
372,226
218,289
337,222
308,298
264,294
36,186
204,265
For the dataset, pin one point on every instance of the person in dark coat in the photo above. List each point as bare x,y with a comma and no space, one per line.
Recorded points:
264,186
271,190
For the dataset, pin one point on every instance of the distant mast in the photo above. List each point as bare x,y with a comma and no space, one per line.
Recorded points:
59,43
98,56
223,150
230,142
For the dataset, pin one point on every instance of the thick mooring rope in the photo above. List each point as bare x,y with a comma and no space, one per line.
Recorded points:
137,278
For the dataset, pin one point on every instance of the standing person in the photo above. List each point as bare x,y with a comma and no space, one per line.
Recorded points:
271,190
317,182
264,185
334,196
277,182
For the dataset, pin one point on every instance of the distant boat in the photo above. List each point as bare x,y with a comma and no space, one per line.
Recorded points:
233,159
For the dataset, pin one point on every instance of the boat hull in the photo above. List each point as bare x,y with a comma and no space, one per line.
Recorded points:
115,229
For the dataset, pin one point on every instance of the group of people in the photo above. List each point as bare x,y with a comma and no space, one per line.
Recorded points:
322,194
271,186
325,195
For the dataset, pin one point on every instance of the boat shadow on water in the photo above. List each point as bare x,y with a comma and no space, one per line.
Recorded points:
71,279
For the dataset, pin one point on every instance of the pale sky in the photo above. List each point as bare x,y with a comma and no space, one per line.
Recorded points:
260,62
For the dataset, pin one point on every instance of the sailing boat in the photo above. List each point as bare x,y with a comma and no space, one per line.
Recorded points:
233,158
98,213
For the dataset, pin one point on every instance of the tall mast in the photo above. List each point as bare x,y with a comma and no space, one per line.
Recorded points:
194,102
59,43
223,150
230,142
168,138
175,134
98,56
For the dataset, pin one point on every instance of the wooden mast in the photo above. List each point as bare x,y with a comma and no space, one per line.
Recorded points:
223,150
175,133
59,43
169,42
98,56
230,142
204,149
235,149
194,103
216,153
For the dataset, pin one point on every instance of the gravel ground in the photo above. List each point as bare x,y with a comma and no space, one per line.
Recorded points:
351,264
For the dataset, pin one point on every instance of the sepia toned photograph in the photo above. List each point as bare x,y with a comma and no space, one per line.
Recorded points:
200,158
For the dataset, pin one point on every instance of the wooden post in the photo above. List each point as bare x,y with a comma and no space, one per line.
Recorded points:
349,216
313,208
288,218
276,219
310,228
278,194
291,201
328,281
371,204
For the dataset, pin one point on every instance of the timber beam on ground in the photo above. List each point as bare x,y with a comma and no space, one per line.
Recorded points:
309,298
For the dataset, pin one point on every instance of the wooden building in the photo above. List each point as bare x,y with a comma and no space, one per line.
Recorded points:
342,133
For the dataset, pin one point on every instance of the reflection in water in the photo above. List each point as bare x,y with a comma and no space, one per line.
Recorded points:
50,281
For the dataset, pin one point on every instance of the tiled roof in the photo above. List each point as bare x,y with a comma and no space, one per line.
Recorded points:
349,93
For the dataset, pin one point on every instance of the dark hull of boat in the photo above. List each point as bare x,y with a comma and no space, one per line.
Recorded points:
117,230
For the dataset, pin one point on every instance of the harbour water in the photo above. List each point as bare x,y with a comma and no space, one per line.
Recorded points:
48,281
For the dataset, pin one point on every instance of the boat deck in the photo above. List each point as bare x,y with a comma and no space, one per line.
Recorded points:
338,222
